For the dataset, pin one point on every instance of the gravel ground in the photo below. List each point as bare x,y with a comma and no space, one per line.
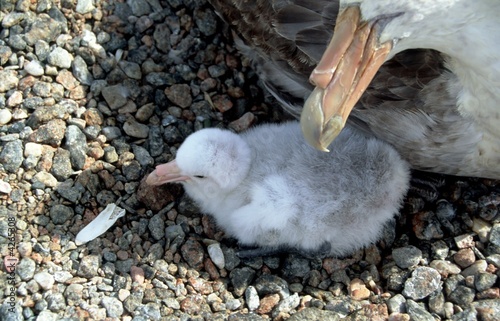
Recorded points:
94,93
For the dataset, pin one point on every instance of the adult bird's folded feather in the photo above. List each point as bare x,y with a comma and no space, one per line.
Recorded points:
267,187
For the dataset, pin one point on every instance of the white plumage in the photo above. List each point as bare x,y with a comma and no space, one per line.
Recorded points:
267,187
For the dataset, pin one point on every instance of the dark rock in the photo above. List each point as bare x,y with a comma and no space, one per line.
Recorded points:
206,21
154,143
241,278
269,284
295,266
407,256
192,251
60,214
157,197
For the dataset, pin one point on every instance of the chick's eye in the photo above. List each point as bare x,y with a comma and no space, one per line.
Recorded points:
199,176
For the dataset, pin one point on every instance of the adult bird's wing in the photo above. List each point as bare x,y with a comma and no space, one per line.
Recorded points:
407,104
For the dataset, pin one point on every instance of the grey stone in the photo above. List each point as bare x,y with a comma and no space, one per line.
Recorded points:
45,178
33,102
116,96
314,314
252,298
46,114
462,295
230,257
44,28
62,276
145,112
26,269
216,255
175,235
135,129
46,315
139,7
111,133
233,304
154,142
484,281
161,36
407,256
73,294
142,156
397,304
287,305
488,309
157,226
12,18
131,69
5,116
217,70
11,156
71,192
172,135
42,89
133,301
89,266
110,154
8,80
11,313
495,234
51,133
17,42
42,49
123,266
84,6
113,306
436,304
56,302
132,170
418,313
423,282
44,279
151,311
5,54
477,267
466,315
34,68
76,143
61,165
81,72
60,57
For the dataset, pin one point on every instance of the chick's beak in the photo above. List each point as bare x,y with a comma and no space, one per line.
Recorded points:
166,173
347,67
